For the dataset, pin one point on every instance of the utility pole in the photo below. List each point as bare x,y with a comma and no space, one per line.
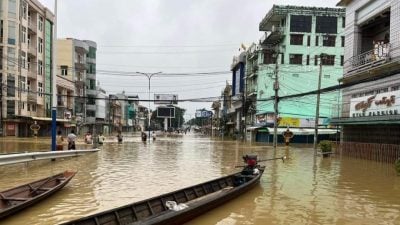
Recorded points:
276,88
149,76
54,85
317,107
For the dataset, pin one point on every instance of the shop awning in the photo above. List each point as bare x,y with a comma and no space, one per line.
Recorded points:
50,119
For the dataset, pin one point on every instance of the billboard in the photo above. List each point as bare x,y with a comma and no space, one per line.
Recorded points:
203,114
165,112
165,99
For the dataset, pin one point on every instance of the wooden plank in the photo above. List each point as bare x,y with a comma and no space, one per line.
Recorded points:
150,208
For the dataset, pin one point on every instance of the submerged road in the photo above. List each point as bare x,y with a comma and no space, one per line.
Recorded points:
300,191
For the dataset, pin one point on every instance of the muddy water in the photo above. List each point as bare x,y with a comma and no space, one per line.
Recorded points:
303,190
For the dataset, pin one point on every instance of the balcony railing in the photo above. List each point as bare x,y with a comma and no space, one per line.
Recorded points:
272,37
376,56
32,97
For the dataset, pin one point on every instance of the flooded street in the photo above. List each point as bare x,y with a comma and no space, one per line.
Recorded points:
299,191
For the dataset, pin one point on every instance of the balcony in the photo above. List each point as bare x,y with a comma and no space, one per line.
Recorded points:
90,107
32,97
273,37
80,67
32,51
91,76
32,73
369,64
91,92
32,27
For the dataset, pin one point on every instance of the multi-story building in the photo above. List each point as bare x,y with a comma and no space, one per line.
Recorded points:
371,109
25,65
251,74
238,93
129,105
115,114
296,41
101,111
76,82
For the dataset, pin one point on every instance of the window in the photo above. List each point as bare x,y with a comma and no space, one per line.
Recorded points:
316,40
64,70
23,83
29,107
40,67
296,59
24,10
396,88
282,59
327,76
341,60
40,45
328,60
23,34
10,108
11,33
326,24
12,9
29,63
11,60
300,23
316,60
10,85
342,41
308,40
28,85
343,22
1,31
329,41
1,56
40,89
308,59
23,59
40,23
296,39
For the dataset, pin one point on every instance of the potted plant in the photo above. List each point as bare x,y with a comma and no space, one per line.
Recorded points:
326,148
397,166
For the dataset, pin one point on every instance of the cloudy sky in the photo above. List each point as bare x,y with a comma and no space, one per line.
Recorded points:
168,36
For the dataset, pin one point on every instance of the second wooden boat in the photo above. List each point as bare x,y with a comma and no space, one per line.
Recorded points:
18,198
182,205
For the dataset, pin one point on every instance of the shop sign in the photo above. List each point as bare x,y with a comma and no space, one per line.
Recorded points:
383,104
289,122
264,119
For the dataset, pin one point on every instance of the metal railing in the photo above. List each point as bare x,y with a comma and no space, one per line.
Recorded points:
32,156
381,52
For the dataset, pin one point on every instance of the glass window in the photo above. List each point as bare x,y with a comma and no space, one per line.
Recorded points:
40,23
1,30
296,59
40,89
40,45
11,59
316,40
268,57
342,41
328,60
300,23
308,59
10,85
64,70
341,60
24,10
11,33
12,9
23,34
329,41
326,24
40,67
296,39
10,108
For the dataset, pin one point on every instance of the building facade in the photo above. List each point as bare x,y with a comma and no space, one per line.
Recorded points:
371,108
296,42
76,83
25,65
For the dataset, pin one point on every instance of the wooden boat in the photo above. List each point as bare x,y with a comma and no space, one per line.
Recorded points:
198,199
18,198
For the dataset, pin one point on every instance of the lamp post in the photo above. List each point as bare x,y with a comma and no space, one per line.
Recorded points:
53,85
149,76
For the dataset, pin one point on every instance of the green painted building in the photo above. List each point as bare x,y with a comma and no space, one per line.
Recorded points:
294,39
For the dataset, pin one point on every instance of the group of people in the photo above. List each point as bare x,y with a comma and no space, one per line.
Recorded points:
71,139
144,136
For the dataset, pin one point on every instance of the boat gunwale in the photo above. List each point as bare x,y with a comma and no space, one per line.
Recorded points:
170,212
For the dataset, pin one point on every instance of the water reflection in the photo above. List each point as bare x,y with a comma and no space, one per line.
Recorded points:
298,191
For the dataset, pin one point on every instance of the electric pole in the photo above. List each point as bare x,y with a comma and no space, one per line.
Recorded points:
276,88
317,107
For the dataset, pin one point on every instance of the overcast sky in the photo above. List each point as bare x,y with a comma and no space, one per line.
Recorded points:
168,36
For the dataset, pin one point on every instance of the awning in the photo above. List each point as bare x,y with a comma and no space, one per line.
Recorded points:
50,119
298,131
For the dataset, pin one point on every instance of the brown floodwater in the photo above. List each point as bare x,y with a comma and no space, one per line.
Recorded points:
302,190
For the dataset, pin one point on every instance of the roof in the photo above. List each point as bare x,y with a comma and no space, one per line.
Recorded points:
274,16
343,2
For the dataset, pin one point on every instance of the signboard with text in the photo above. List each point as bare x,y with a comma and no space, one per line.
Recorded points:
203,114
383,104
165,112
165,99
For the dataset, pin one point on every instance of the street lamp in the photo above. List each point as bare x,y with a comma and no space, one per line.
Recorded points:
149,76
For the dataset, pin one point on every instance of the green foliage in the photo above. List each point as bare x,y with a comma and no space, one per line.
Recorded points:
326,146
397,166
